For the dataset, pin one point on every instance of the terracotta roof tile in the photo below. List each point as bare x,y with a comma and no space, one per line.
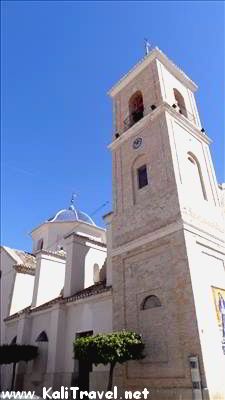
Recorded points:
82,294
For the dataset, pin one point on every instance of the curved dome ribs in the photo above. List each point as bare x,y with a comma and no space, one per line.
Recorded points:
71,214
85,217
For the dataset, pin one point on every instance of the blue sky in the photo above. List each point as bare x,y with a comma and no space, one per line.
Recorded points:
58,61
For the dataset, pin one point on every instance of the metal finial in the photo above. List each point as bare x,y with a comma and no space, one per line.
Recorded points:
148,46
74,195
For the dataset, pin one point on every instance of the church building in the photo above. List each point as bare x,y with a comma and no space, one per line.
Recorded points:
158,269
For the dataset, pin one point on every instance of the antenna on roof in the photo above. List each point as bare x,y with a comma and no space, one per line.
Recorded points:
148,46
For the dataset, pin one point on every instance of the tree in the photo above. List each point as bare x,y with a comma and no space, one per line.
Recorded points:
111,348
13,353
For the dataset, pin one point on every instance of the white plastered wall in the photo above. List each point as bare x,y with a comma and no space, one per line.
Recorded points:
94,256
6,370
82,254
7,284
49,279
108,220
182,143
207,269
39,322
22,293
168,82
90,314
95,315
53,233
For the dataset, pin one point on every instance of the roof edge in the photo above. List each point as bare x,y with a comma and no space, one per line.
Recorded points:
93,290
156,53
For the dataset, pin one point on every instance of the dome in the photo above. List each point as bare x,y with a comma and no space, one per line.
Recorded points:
71,214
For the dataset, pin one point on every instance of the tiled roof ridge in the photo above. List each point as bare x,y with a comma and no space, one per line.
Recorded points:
58,253
99,288
19,250
24,269
95,289
17,314
28,253
21,258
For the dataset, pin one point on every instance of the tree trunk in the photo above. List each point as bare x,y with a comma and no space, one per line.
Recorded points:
13,376
110,381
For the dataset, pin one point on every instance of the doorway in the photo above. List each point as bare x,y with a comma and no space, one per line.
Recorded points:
84,367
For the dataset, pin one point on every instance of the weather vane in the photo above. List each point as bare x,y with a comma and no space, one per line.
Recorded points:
148,46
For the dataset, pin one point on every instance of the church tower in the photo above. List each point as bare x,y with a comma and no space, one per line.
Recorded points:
167,235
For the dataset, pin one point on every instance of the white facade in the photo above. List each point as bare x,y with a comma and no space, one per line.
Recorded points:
62,292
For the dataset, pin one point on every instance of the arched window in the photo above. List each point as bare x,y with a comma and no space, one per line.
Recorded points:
42,337
39,365
180,102
14,340
136,108
102,275
96,273
40,244
151,301
195,180
140,176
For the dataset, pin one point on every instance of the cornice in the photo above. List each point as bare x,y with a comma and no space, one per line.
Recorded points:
163,107
207,231
48,253
135,129
186,123
150,237
84,239
45,224
156,53
164,231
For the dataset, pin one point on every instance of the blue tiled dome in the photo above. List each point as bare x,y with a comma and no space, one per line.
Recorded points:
71,214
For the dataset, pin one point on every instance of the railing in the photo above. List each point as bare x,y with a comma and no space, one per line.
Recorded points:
138,114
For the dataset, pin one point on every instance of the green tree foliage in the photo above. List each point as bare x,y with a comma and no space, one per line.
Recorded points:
111,348
13,353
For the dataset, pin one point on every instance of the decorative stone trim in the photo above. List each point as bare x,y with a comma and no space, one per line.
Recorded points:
163,107
85,239
58,254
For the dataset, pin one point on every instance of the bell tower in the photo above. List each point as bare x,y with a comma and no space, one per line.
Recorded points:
167,234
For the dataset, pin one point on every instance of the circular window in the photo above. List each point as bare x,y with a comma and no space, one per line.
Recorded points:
137,143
